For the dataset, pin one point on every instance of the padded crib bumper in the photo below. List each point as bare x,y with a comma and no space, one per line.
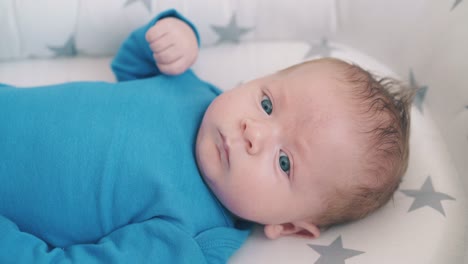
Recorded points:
46,28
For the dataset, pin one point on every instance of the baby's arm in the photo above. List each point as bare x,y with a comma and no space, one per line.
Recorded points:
168,44
152,241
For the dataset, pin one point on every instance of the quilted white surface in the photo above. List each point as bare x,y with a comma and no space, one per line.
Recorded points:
401,232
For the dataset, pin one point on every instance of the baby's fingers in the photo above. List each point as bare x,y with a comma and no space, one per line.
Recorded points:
168,55
155,33
177,67
162,44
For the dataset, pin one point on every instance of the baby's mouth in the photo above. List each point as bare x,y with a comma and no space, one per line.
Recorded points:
224,147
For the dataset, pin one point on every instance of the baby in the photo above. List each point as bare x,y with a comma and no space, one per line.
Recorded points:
163,167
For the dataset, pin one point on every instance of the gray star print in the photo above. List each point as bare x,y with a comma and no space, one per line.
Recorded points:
323,49
230,33
334,253
427,196
147,3
68,49
420,92
456,4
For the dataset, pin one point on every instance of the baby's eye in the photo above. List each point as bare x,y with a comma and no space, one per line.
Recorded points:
284,162
267,105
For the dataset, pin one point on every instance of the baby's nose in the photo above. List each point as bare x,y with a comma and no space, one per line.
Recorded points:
256,134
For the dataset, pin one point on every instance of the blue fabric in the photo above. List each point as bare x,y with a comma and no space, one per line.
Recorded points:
97,172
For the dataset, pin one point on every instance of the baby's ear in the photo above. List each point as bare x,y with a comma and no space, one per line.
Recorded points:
298,228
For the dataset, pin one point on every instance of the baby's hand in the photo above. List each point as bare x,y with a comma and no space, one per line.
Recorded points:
174,45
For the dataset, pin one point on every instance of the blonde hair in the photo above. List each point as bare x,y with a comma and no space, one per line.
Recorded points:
383,110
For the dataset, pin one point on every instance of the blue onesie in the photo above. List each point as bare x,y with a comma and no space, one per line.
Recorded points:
97,172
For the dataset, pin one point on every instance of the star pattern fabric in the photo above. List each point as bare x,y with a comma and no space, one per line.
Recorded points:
147,3
323,49
420,92
456,4
427,196
334,253
231,33
67,50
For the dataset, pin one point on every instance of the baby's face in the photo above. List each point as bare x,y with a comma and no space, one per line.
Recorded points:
274,149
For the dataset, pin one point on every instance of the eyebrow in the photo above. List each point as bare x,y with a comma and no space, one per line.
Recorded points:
299,150
278,100
266,89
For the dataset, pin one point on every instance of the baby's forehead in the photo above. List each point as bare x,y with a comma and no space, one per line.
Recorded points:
317,98
314,79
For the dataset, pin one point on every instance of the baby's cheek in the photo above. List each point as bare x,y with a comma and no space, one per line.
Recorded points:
249,202
237,196
244,207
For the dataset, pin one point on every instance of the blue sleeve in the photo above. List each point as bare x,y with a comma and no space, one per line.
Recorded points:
153,241
134,60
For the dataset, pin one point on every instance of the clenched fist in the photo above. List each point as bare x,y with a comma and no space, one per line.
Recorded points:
174,45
